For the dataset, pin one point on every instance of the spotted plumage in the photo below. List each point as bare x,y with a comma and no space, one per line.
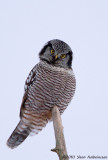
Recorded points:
51,82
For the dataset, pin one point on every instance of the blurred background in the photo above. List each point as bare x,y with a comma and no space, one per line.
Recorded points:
25,26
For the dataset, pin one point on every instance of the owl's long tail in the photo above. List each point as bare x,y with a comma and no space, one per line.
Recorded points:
20,133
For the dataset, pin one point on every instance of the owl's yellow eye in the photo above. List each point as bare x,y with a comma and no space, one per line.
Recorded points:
52,51
63,55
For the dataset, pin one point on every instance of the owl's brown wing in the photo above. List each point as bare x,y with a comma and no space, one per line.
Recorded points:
30,79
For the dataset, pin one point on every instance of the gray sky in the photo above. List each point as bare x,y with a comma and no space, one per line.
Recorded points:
25,26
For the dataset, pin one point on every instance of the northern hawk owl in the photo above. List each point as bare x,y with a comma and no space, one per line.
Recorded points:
50,83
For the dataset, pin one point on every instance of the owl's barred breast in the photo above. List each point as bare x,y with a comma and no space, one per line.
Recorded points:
52,86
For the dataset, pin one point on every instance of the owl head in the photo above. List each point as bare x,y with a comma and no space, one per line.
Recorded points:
57,53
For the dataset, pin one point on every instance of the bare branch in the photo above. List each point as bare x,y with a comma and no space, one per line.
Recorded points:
60,148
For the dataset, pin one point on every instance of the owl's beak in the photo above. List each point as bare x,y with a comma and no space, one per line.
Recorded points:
56,57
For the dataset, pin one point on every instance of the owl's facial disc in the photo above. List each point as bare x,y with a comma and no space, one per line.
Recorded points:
57,53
